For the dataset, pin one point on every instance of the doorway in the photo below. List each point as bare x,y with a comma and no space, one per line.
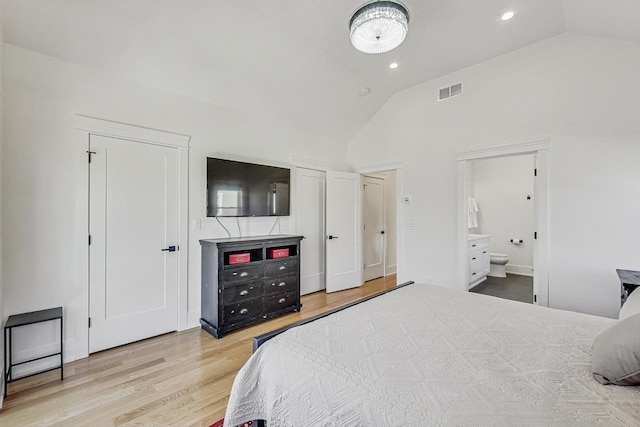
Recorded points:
133,228
379,224
328,215
136,283
502,190
538,149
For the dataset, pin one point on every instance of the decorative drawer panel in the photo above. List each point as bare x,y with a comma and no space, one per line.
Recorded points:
245,310
288,266
241,274
242,292
279,301
280,284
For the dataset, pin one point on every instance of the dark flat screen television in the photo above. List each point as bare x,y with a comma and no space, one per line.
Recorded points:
246,189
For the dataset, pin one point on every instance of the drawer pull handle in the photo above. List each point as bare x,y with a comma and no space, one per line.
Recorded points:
473,274
244,311
282,267
473,246
473,258
281,300
245,292
281,284
484,252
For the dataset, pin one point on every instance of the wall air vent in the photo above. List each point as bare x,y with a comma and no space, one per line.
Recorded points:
450,91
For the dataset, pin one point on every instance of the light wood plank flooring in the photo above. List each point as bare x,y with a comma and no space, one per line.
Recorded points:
177,379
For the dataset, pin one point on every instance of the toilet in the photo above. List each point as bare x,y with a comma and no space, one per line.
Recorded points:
497,262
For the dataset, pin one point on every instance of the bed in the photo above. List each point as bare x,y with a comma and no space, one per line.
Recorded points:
426,355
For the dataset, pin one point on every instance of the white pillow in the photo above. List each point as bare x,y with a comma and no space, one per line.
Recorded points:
631,306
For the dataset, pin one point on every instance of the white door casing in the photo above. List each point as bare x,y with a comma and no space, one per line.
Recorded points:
133,215
344,226
540,148
310,212
373,238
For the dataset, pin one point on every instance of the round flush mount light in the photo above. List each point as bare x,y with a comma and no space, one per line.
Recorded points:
365,91
393,65
506,16
379,26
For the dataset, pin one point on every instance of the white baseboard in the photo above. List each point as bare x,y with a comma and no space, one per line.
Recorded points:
520,270
390,269
193,319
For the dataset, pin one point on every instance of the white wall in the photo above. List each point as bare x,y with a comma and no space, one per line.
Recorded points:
581,92
501,187
41,182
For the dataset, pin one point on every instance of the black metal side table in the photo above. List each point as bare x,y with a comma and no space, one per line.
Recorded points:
629,281
17,320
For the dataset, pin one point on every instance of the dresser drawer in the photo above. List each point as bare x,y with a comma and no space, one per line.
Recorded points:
280,301
245,310
280,285
281,267
231,294
241,274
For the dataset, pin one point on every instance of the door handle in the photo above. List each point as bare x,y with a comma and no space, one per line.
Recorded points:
171,249
382,232
332,237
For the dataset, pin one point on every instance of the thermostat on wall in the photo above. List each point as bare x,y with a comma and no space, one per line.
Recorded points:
406,199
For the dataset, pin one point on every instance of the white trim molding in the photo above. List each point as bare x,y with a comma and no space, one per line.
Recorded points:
515,148
384,167
306,163
96,126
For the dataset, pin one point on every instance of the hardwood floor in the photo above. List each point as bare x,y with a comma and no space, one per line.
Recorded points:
178,379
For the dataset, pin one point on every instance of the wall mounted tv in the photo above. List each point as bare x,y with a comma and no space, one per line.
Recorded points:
246,189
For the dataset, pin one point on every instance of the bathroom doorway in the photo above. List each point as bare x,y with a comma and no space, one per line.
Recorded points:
502,196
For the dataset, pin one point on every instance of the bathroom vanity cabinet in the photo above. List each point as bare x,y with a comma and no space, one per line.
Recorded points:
478,253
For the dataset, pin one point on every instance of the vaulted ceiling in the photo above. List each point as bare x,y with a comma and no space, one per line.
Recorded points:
291,60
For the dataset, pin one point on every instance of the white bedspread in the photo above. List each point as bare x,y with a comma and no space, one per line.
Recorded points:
428,356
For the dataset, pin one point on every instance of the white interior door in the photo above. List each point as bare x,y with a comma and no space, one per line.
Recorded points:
310,209
133,216
373,227
344,237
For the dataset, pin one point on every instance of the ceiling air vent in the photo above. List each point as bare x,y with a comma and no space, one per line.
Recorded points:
450,91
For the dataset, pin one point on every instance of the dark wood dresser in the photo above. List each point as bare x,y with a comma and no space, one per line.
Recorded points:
248,279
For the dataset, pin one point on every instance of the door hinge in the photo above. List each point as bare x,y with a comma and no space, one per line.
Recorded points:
89,321
89,153
89,239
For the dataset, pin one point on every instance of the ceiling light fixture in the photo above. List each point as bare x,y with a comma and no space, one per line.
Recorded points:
507,16
379,26
393,65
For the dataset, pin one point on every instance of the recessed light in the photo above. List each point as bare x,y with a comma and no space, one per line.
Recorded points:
393,65
365,91
507,16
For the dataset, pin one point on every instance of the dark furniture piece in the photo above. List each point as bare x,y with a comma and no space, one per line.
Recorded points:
237,295
17,320
629,281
